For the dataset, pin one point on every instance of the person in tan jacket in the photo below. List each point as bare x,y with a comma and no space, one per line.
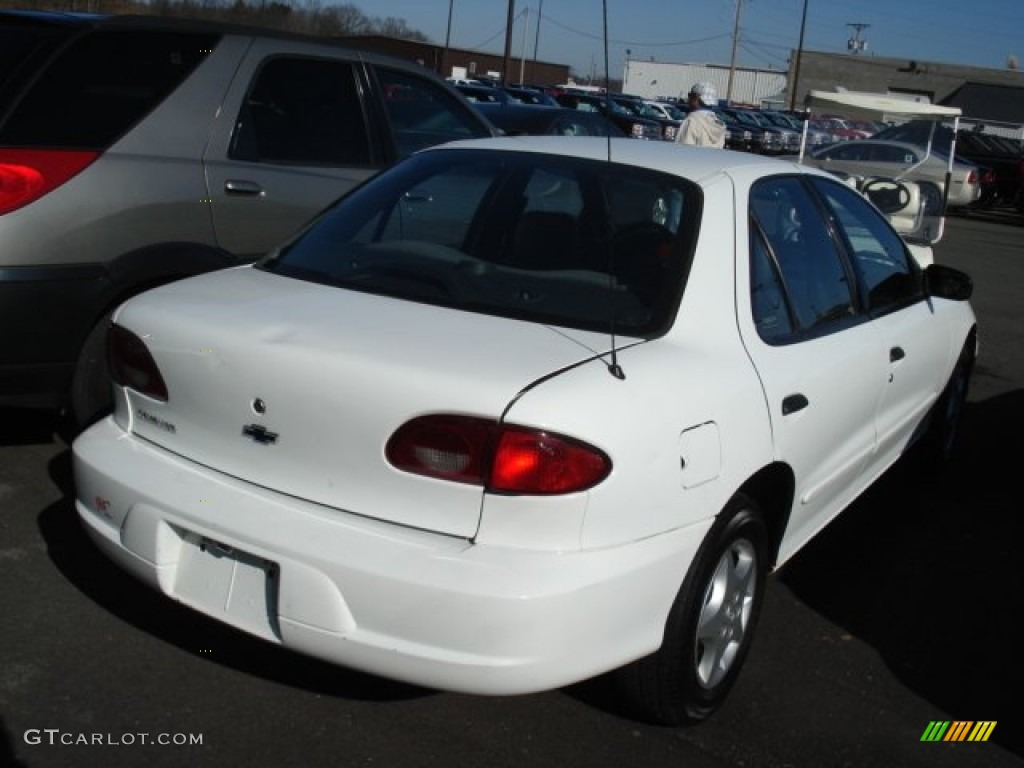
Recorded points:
702,127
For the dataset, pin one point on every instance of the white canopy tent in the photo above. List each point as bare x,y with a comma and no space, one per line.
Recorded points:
860,105
876,106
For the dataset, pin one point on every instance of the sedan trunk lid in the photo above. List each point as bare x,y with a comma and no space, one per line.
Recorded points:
297,386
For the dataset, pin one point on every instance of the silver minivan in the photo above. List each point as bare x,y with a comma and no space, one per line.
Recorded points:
135,151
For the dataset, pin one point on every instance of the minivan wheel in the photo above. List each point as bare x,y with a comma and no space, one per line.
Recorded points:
90,397
711,624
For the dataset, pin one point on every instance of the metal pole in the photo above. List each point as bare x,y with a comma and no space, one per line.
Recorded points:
735,42
447,40
536,40
796,66
522,55
508,41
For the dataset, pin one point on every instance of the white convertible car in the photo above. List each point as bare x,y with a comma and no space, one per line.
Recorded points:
519,412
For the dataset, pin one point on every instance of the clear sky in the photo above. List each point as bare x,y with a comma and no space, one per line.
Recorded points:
977,32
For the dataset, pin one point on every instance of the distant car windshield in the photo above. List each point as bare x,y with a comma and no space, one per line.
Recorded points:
534,236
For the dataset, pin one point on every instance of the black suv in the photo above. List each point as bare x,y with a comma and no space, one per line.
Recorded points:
627,120
135,151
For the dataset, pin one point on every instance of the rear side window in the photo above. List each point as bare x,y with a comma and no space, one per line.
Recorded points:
424,113
24,47
102,85
303,111
809,263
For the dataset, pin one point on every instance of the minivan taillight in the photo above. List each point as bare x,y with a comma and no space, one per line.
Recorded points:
28,174
500,457
132,365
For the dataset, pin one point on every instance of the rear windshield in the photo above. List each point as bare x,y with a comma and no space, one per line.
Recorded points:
538,237
99,86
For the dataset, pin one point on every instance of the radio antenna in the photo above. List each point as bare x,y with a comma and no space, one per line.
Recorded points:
613,367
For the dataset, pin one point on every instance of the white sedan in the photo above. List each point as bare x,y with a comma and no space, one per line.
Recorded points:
900,160
519,412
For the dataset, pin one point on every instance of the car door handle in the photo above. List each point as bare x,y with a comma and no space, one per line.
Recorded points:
794,403
239,187
896,353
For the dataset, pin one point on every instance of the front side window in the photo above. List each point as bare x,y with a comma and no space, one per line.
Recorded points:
578,243
424,113
305,112
886,271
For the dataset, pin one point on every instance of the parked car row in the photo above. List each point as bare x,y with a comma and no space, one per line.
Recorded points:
902,160
1000,159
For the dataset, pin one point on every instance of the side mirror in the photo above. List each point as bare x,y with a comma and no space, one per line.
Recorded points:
947,283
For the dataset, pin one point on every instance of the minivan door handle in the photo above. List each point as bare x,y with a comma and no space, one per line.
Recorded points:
239,187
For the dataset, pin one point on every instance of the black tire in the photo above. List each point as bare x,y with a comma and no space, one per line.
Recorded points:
711,624
938,446
91,396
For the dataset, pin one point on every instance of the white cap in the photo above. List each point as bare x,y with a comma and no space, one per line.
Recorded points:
705,92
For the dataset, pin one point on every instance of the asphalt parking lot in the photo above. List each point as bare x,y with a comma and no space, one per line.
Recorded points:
900,614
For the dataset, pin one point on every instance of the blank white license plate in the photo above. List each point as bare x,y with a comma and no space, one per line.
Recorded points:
229,584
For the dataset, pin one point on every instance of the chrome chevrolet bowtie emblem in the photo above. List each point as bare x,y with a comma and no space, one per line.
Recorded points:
259,434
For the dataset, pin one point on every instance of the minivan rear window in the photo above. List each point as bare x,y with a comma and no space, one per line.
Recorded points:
100,86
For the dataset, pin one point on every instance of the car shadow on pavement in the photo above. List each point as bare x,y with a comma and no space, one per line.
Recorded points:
103,582
22,426
926,569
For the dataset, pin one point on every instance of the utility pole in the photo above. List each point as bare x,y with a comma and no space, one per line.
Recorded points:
447,40
508,41
796,65
522,53
735,42
536,39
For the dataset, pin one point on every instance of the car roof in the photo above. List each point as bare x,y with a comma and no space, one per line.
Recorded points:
695,163
172,23
146,22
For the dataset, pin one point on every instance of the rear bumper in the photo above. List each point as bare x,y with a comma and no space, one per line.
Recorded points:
404,604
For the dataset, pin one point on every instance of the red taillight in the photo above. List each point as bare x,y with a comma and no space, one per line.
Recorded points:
532,461
972,177
502,458
28,174
131,364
